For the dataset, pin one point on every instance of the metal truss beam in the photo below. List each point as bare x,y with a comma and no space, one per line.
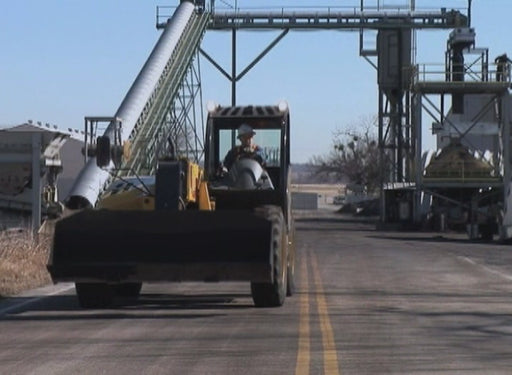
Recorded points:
332,19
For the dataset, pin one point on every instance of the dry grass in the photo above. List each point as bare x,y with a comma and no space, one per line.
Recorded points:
22,262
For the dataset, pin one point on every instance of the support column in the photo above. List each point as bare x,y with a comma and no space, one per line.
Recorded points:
233,67
505,230
36,182
382,168
418,169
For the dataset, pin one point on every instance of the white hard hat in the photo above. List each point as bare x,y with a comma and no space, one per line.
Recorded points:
245,129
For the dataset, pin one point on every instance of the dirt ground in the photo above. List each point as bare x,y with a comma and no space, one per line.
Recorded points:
22,262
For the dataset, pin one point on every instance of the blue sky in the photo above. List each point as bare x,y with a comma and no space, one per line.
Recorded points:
66,59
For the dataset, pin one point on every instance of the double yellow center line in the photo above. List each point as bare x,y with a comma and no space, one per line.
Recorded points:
330,356
303,355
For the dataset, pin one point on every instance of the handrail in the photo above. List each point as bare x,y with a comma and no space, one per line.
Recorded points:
437,72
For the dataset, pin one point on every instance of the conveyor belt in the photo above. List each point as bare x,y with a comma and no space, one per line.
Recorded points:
142,111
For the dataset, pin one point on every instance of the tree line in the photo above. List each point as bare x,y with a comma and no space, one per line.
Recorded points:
353,158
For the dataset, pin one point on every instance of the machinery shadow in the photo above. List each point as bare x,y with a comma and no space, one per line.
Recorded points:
435,238
147,306
341,219
185,302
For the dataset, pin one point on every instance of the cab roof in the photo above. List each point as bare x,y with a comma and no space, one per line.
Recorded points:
248,111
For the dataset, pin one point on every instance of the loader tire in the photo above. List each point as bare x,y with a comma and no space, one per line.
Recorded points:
94,295
273,294
128,290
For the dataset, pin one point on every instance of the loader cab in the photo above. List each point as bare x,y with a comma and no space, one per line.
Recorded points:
271,124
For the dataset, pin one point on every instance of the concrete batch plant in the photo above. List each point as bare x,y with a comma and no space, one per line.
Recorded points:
465,183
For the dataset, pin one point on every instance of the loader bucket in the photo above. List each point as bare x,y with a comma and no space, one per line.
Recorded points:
117,246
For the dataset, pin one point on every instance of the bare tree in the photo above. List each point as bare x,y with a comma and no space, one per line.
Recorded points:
354,156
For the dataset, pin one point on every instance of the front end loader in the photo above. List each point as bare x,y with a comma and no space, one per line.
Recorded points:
190,223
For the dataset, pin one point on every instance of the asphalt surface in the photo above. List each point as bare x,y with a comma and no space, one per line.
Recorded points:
367,302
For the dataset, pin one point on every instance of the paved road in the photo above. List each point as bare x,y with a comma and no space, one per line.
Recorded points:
368,302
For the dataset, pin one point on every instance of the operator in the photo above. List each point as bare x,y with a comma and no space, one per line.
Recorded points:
246,149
